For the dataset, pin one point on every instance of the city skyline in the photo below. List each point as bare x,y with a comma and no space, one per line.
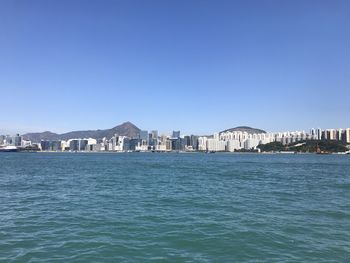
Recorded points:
198,66
169,132
128,138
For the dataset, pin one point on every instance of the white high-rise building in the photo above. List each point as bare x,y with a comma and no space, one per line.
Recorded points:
119,146
331,134
347,135
202,143
251,144
233,145
216,145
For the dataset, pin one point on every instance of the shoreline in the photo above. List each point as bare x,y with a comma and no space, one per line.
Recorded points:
184,152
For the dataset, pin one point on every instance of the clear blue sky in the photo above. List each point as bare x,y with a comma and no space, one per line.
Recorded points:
197,66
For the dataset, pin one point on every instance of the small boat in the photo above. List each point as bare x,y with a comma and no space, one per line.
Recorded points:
9,149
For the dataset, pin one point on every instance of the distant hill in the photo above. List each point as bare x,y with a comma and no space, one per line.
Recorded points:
312,146
247,129
125,129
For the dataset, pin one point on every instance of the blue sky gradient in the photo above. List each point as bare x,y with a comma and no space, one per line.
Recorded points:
197,66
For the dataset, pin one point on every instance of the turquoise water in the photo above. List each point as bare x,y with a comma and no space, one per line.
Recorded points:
149,207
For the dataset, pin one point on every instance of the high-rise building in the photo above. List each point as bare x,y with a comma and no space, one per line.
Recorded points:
8,140
74,145
126,143
251,144
78,144
216,145
143,135
331,134
194,142
347,135
202,143
168,145
176,134
45,145
318,134
187,140
339,134
313,134
154,134
233,145
133,143
56,146
17,140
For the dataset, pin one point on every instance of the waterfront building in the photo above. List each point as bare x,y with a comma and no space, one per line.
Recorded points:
133,143
82,144
78,144
121,143
64,145
202,143
168,144
17,140
8,140
251,143
45,145
187,141
194,142
55,146
216,145
161,148
233,145
141,148
153,140
26,143
126,144
177,144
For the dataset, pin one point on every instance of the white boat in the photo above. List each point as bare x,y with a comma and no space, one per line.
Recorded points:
8,149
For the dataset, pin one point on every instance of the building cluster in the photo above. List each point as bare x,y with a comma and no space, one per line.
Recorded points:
17,141
143,142
229,141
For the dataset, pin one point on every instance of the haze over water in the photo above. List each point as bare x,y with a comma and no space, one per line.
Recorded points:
149,207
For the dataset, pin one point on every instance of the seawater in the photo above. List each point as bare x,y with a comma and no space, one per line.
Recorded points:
150,207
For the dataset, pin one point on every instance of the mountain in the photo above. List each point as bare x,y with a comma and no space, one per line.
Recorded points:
245,129
37,137
124,129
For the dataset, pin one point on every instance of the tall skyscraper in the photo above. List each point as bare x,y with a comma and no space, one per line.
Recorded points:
347,135
318,134
176,134
194,142
154,134
17,140
143,135
2,139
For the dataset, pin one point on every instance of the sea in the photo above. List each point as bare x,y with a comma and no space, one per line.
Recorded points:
174,207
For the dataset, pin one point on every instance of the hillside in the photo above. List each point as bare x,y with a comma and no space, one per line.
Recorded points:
247,129
124,129
311,146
